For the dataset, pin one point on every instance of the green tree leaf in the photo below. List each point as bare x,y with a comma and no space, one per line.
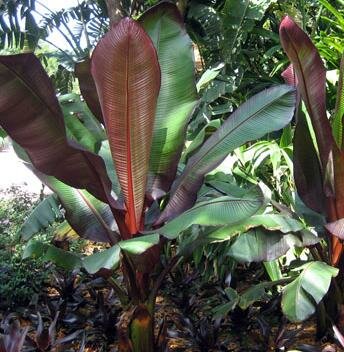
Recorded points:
81,125
272,222
110,258
106,259
140,244
88,216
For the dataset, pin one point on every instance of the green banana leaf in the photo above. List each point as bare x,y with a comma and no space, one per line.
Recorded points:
177,97
265,112
105,259
259,244
81,125
215,212
89,217
44,214
300,296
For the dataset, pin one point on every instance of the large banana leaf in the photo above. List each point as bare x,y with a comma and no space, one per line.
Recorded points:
48,252
307,168
265,112
111,256
30,114
88,88
271,222
89,217
215,212
258,244
177,97
311,76
107,259
127,75
300,296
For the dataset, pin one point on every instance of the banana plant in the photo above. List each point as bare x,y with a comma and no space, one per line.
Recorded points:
318,157
126,186
318,150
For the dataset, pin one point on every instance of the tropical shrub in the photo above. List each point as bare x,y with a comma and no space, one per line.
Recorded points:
121,185
231,40
21,279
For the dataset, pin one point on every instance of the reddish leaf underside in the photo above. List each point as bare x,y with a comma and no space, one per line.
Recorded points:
31,115
88,88
126,72
307,171
311,76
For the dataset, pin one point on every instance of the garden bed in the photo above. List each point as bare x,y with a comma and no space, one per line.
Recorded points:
89,311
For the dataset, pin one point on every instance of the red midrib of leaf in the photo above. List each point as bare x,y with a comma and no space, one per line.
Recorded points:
131,219
127,76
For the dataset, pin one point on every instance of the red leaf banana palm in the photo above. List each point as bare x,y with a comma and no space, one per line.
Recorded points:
326,182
